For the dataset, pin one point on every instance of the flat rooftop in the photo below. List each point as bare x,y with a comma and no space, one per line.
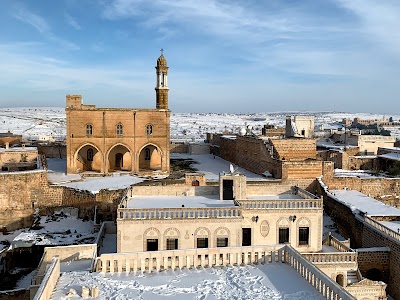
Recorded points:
356,200
272,281
275,197
139,201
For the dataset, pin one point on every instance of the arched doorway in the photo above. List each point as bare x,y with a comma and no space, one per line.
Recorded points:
340,279
119,159
374,274
88,158
150,158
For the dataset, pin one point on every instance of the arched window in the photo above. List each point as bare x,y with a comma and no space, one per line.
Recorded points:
89,129
147,154
119,129
149,129
89,155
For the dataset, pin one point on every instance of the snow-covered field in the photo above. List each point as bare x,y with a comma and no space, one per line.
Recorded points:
37,122
273,281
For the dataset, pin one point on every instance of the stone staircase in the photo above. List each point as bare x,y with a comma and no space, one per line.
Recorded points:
352,277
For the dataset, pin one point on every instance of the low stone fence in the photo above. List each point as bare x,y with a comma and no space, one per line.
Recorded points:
178,213
318,279
339,245
281,204
75,252
332,258
193,258
49,281
395,235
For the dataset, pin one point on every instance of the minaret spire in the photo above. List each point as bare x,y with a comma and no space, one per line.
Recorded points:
162,82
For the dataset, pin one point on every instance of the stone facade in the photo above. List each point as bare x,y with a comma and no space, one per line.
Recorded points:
260,221
106,140
300,126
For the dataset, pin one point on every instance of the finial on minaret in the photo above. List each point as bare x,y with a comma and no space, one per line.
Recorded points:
162,51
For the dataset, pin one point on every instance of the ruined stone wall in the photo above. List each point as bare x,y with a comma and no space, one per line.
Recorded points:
53,151
179,147
362,163
295,149
379,188
301,169
21,193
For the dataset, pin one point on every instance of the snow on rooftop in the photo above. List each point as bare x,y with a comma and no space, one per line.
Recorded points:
212,166
177,201
274,197
95,184
391,156
353,173
272,281
368,205
19,149
56,230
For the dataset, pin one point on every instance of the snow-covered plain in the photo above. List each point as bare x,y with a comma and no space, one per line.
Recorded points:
275,281
50,121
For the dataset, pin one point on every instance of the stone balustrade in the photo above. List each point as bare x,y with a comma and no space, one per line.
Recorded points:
193,258
178,213
187,258
302,193
332,258
318,279
338,245
281,204
383,228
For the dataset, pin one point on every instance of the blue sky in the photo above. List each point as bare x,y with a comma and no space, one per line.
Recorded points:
224,56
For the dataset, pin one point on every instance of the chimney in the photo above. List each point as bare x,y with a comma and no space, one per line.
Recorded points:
23,146
7,145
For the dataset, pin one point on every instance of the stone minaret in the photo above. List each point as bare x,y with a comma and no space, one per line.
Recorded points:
162,83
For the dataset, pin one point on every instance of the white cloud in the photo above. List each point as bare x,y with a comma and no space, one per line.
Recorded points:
39,23
72,22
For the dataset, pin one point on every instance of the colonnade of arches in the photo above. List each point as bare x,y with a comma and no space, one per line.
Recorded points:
89,158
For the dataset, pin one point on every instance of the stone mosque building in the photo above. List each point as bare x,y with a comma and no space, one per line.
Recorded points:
132,140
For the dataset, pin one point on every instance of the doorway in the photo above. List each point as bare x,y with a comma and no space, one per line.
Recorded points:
246,236
119,161
152,244
227,189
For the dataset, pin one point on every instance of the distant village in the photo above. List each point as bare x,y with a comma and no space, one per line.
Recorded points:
117,195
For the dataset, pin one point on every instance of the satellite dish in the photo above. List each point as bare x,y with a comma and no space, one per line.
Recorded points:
231,168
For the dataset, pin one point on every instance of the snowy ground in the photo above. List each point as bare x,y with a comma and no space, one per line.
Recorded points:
274,281
330,226
56,175
56,231
40,121
212,166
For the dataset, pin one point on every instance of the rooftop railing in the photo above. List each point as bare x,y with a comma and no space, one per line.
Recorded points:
178,213
282,204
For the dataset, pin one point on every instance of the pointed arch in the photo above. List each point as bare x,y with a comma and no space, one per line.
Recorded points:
150,157
88,157
119,158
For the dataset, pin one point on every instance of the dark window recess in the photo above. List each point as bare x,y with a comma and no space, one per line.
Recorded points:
202,242
304,234
283,235
152,244
246,236
172,244
222,242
